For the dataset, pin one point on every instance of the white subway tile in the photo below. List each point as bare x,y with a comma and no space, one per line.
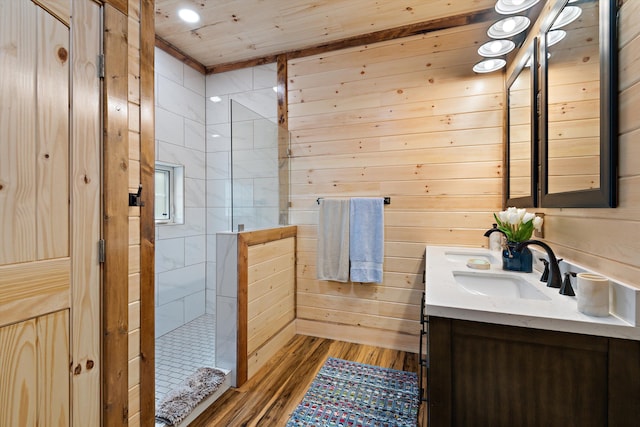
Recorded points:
218,193
211,252
195,249
194,135
194,80
265,134
168,66
194,306
218,219
195,193
193,160
180,100
265,76
219,165
177,284
168,317
169,254
195,224
227,265
169,127
265,192
230,82
217,111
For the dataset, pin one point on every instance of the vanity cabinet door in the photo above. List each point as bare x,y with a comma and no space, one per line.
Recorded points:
494,375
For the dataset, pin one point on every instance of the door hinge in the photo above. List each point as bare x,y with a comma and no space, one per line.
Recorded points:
101,254
101,66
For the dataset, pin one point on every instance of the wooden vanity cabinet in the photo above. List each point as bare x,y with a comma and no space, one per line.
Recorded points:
483,374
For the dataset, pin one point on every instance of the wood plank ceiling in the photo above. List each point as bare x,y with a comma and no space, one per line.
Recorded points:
242,31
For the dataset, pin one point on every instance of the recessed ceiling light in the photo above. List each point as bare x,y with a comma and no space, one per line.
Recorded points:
508,27
188,15
507,7
215,135
567,16
489,65
215,99
496,48
555,36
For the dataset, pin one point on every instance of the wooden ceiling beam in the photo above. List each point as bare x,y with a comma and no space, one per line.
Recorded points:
179,55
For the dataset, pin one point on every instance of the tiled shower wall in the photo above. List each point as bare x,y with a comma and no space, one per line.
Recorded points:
180,139
256,206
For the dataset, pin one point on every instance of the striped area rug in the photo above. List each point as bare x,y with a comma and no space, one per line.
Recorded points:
351,394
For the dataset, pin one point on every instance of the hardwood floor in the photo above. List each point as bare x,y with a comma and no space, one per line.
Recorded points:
272,394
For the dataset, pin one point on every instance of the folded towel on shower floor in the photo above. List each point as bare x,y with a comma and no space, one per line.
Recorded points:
176,405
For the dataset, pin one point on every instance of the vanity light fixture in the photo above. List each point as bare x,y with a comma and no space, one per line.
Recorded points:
188,15
489,65
495,48
508,27
567,16
508,7
555,36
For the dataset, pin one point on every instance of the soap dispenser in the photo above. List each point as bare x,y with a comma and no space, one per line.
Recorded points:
495,239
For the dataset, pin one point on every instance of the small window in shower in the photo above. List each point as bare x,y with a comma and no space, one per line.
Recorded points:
169,193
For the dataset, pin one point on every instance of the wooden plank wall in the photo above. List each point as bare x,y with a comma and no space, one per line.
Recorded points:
133,98
608,240
407,119
138,14
270,298
115,211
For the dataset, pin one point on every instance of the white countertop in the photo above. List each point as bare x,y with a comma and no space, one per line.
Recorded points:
446,298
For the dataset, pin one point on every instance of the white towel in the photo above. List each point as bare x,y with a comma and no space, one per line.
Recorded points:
366,241
333,240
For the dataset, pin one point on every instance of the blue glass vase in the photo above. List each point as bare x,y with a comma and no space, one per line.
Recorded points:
513,260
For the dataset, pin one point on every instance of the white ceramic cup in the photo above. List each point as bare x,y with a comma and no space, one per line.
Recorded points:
593,294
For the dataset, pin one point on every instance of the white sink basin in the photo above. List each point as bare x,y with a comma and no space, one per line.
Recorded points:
497,285
464,256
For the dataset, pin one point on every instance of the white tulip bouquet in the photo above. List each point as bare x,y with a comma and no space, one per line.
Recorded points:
517,224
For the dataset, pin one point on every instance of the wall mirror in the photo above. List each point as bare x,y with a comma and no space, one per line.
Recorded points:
522,131
578,126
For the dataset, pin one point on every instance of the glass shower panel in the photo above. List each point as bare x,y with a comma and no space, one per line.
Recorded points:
259,170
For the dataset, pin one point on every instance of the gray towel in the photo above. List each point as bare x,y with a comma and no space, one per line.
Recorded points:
178,403
333,240
366,240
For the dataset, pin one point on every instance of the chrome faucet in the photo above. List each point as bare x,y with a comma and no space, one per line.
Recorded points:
554,279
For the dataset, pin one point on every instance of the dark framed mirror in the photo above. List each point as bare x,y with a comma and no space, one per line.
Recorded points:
578,124
522,131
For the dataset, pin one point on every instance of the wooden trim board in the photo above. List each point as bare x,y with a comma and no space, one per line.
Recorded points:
147,221
116,221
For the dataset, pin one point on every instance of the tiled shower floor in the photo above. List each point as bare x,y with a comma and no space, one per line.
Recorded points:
180,352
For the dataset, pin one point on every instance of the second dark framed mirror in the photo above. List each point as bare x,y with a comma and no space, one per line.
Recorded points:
522,131
578,58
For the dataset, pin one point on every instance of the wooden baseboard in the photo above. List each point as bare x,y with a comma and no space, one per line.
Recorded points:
359,335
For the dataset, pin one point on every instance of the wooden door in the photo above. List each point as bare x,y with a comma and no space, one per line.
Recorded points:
49,213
